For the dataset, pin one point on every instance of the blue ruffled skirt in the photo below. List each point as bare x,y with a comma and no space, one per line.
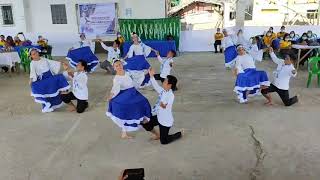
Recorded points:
128,109
85,54
46,90
230,53
249,83
136,67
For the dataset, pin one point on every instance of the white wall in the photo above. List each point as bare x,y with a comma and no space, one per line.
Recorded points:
18,15
34,18
202,40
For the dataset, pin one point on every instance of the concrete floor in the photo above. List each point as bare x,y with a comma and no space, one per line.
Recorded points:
218,142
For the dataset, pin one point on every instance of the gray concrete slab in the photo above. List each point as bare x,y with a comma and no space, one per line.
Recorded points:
217,145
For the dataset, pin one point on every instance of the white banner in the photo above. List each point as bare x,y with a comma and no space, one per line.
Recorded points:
97,19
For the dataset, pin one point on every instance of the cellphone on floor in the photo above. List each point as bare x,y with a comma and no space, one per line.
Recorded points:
134,174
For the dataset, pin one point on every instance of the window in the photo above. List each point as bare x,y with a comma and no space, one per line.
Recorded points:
232,15
128,12
312,14
7,15
248,12
59,14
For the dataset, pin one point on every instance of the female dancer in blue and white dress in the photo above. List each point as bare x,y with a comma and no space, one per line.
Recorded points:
229,46
83,51
127,107
46,83
138,66
249,81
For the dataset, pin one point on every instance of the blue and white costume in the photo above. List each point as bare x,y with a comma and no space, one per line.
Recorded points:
255,52
85,54
138,70
128,107
249,80
47,83
230,50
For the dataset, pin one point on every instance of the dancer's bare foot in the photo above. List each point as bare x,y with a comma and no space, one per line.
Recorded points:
183,132
71,108
268,104
155,138
124,135
145,121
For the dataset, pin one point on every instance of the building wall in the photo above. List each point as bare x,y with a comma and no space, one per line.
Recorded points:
266,14
18,15
34,18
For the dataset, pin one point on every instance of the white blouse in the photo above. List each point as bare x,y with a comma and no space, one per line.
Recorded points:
79,84
121,83
165,116
112,53
244,62
37,68
139,49
228,41
85,43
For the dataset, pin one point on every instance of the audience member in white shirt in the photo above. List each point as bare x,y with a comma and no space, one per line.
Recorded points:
80,88
282,76
113,53
162,111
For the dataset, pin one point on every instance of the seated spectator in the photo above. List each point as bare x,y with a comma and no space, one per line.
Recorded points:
285,43
294,37
42,42
268,38
2,40
10,43
282,32
304,41
273,34
311,36
17,41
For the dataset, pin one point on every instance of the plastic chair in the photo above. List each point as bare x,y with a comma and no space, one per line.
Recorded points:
25,60
313,69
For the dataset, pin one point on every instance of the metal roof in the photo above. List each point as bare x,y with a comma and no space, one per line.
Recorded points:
186,3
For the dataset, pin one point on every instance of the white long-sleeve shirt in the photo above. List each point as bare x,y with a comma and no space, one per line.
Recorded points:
121,83
85,43
37,68
244,62
139,49
165,68
228,41
164,115
283,73
255,52
112,52
79,84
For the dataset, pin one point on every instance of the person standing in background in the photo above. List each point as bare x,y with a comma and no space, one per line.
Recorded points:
218,37
121,39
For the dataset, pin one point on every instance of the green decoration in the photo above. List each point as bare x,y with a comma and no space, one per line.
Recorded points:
151,29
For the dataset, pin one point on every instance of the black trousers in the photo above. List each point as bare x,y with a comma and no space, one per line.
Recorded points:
82,105
284,95
216,43
158,77
165,138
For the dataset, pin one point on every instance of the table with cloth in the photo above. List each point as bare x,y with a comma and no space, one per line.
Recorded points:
20,55
9,59
162,46
303,47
